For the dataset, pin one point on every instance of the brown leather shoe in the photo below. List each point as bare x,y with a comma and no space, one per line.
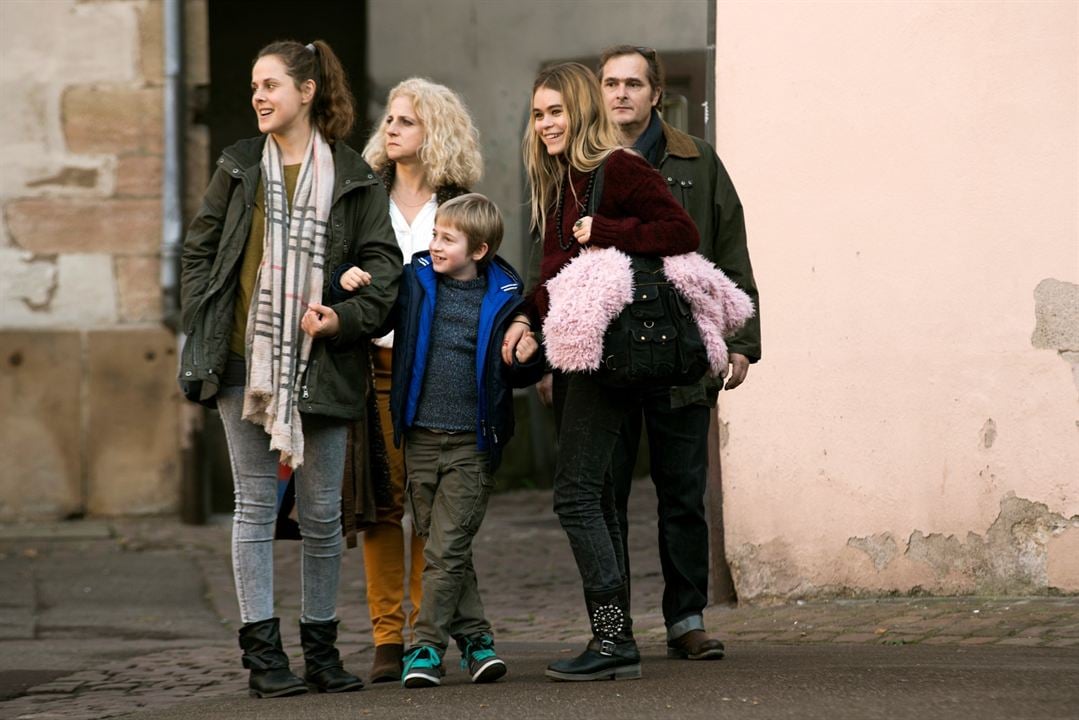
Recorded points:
387,664
695,645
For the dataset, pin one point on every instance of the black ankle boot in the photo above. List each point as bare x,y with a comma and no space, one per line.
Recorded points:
263,655
612,654
322,662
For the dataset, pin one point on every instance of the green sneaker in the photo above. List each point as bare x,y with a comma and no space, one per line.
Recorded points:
422,668
479,658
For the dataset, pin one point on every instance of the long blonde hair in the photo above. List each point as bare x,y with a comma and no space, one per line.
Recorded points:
450,151
590,136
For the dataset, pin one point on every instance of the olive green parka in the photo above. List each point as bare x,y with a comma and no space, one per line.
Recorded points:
698,180
359,232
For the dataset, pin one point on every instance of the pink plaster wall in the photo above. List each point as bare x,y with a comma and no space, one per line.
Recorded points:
910,173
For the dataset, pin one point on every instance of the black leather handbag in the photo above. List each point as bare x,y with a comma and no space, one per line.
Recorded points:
654,342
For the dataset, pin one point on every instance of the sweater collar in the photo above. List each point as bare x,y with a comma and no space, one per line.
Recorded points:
648,144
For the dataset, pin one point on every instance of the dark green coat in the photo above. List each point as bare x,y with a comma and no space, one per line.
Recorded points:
698,180
360,233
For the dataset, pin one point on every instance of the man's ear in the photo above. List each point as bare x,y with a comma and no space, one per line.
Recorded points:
656,92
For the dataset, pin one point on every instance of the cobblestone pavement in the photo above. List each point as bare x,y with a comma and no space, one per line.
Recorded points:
527,578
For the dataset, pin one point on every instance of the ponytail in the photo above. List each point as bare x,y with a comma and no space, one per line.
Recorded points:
333,109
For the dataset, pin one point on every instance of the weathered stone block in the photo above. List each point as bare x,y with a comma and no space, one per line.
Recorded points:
152,42
75,290
196,50
70,225
1056,310
1063,561
139,176
139,285
109,119
132,434
26,283
40,417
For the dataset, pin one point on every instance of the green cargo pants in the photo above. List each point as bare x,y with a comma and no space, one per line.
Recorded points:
449,484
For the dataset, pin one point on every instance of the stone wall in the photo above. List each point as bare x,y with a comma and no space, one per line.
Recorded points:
88,406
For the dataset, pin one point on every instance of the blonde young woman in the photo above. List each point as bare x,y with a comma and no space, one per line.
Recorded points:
426,151
282,362
569,137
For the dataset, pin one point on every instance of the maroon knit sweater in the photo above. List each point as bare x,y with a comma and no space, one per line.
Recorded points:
637,214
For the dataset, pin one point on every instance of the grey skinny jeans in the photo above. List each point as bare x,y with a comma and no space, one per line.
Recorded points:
318,501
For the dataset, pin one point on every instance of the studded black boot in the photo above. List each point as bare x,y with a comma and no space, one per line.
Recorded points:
612,653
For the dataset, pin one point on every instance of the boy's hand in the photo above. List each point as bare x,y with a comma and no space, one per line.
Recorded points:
526,348
518,329
355,278
320,321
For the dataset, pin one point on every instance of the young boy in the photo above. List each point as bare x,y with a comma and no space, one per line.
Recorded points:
452,405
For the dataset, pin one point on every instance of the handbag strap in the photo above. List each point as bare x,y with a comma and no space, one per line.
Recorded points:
597,189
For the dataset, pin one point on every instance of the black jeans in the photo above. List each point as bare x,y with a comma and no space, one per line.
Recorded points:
590,420
678,450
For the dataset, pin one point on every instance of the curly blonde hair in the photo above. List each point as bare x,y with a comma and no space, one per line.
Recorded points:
450,151
590,136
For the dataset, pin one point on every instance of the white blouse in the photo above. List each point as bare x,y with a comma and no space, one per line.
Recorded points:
411,239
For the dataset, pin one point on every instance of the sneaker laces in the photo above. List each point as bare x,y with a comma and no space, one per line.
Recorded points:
478,648
422,656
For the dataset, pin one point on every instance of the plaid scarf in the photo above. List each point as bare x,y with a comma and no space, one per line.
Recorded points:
290,276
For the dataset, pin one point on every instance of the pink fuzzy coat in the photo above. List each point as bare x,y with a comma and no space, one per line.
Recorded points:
591,290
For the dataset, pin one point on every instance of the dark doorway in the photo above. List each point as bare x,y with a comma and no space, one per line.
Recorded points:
240,28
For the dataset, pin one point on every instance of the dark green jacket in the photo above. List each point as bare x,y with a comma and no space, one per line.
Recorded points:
360,233
698,180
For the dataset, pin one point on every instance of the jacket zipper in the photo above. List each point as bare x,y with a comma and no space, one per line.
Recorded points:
310,370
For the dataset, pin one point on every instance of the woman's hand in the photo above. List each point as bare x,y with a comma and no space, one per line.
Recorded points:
526,348
320,321
519,328
582,230
355,278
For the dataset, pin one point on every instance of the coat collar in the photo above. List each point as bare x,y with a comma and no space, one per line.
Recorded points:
679,144
350,170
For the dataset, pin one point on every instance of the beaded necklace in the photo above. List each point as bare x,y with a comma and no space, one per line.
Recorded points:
580,207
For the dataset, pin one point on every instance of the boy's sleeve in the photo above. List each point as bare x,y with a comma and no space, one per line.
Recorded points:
337,293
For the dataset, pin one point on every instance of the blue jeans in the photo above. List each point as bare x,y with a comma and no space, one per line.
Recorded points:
678,453
591,417
318,501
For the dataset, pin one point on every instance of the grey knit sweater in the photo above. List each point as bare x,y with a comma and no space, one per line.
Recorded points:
448,400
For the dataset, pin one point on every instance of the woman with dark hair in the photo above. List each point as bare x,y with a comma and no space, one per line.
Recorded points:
569,139
286,371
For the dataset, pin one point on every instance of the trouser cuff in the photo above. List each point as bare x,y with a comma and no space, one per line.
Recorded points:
680,628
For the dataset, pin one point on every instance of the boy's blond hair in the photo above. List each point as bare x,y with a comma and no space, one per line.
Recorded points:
477,218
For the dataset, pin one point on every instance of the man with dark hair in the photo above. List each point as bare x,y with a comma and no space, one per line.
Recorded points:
678,419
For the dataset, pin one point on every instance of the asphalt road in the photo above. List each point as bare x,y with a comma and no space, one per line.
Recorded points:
827,681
